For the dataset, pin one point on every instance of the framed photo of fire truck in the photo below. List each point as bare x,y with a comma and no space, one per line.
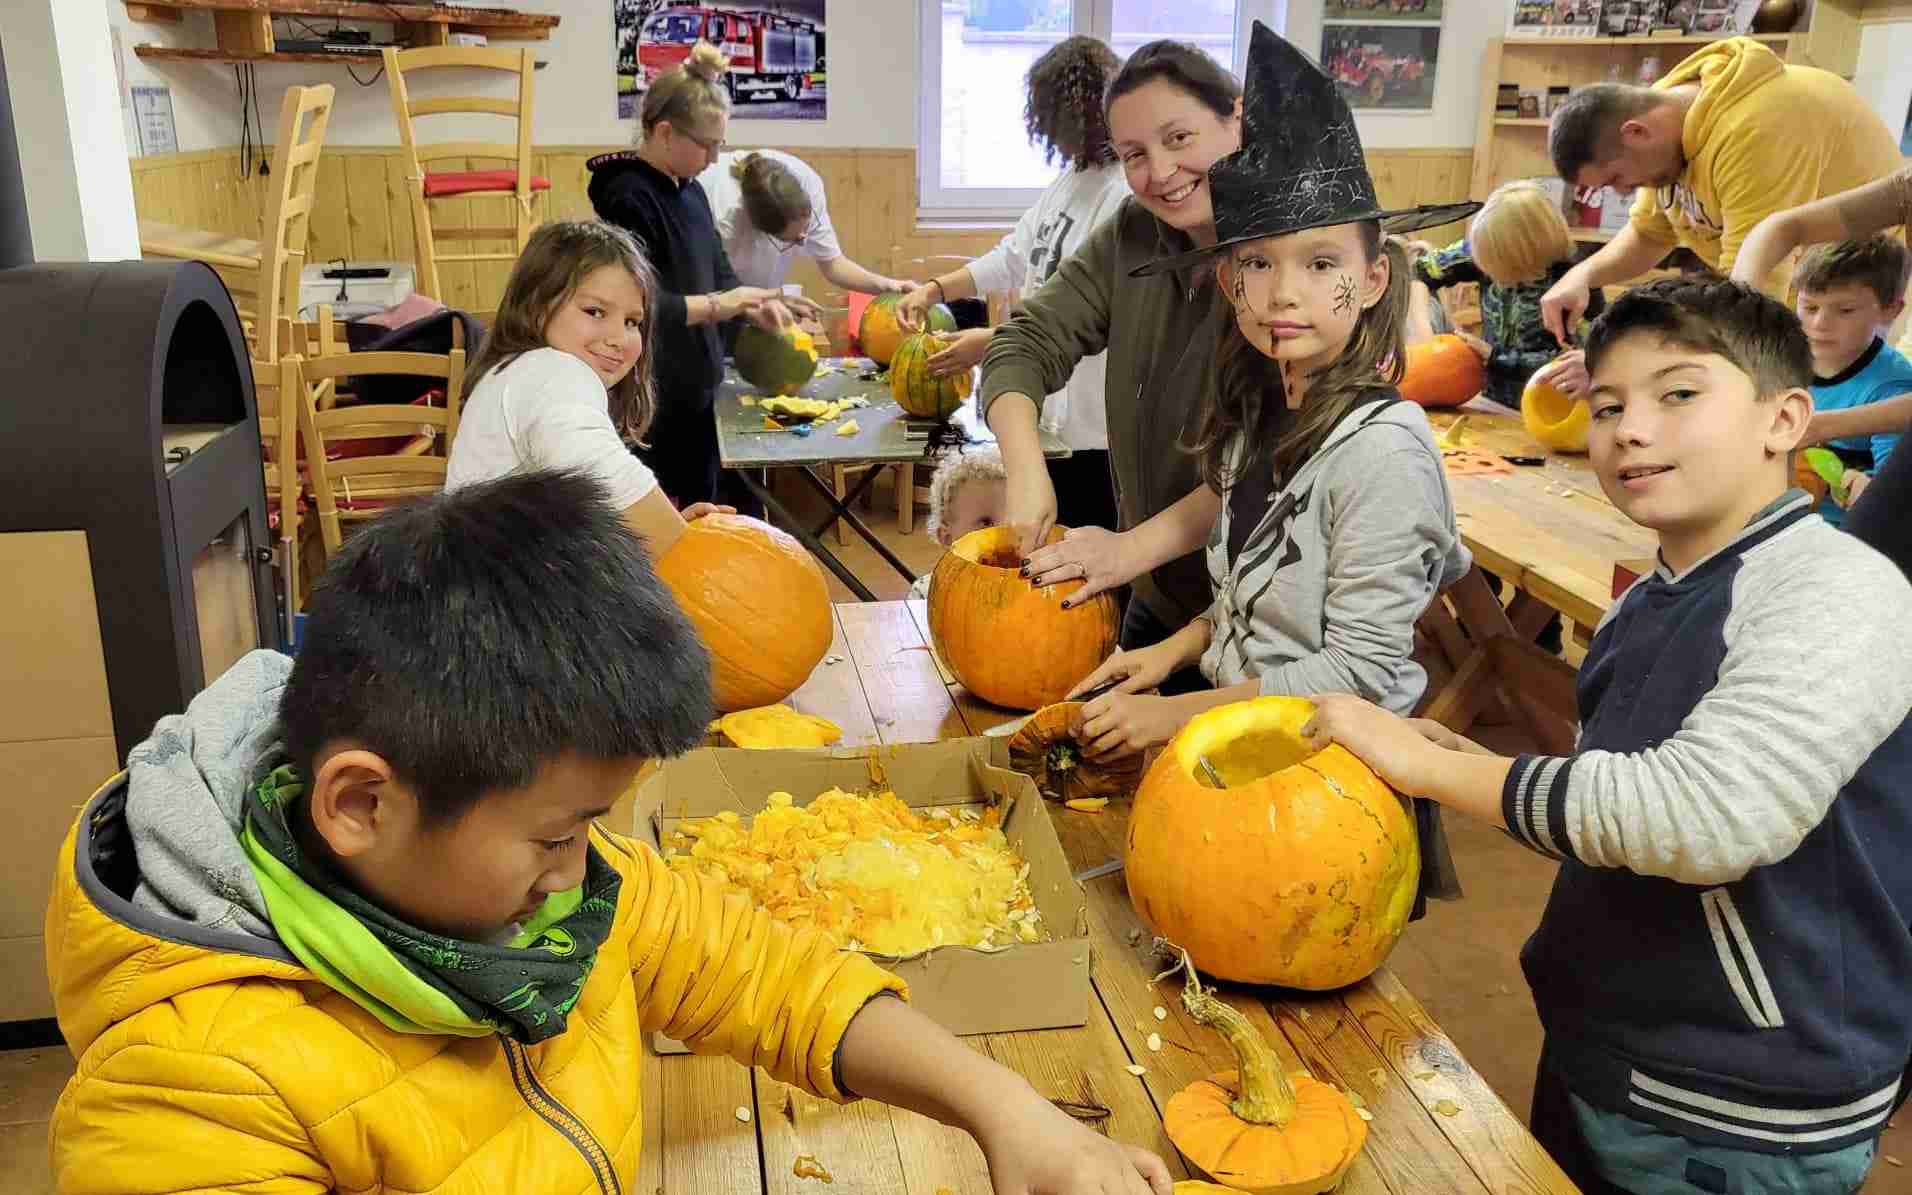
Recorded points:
1389,67
776,49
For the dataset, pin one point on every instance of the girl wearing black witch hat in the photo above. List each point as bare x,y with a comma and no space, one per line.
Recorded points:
1336,527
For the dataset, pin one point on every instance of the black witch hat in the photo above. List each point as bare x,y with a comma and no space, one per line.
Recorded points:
1300,164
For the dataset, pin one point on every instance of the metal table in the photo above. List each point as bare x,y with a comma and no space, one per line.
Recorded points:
744,444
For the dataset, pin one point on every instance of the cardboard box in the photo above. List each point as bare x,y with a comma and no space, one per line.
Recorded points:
1038,985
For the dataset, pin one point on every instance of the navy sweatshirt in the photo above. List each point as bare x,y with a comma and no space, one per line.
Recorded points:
673,224
1726,952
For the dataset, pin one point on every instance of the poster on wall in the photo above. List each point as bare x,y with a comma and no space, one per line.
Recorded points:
1381,10
1389,67
775,47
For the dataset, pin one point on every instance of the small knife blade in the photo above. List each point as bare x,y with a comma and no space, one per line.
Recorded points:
1015,724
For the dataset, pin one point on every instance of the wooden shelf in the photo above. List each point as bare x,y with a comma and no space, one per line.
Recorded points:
1522,122
1576,43
179,54
503,20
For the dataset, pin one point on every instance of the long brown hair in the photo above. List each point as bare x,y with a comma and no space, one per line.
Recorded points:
1064,106
773,198
555,262
1187,68
688,95
1249,400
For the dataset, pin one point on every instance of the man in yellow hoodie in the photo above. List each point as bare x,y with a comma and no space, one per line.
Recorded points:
348,923
1728,137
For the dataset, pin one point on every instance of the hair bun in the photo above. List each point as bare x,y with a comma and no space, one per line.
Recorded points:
706,62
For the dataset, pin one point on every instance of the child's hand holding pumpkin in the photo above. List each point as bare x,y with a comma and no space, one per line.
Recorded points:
1400,751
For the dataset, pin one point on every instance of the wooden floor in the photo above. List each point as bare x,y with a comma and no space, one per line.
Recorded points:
1461,960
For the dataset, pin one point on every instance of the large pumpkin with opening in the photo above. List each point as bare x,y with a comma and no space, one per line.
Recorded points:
1299,870
1010,642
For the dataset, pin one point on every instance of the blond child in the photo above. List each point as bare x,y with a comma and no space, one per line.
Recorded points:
968,491
1517,247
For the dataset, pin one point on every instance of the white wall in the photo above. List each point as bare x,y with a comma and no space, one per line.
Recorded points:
872,83
872,77
1881,77
67,123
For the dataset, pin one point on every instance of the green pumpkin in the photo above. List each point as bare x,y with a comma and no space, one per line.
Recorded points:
879,331
777,363
913,388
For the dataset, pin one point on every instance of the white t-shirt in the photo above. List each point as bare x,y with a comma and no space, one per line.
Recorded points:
544,409
759,260
1022,262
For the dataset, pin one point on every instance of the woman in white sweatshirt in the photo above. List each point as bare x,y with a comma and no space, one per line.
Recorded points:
1064,112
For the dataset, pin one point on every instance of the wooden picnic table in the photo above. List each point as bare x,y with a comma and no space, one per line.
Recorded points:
1437,1127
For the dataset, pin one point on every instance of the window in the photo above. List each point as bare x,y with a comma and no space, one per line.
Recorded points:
974,157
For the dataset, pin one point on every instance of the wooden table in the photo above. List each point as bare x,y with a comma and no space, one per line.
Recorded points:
1549,531
1437,1130
746,444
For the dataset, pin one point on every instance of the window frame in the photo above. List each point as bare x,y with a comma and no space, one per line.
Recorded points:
989,205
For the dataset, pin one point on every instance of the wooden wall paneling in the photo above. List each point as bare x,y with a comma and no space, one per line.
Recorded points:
370,211
885,205
398,198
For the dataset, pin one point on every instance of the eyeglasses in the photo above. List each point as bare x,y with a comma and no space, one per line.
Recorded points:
710,145
784,246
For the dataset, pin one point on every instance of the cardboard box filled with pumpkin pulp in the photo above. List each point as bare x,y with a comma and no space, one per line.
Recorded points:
996,989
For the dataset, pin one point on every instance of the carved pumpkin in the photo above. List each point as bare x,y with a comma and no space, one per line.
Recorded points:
1442,372
758,600
775,362
1309,863
916,390
879,332
1255,1128
1010,642
1045,750
774,726
1558,421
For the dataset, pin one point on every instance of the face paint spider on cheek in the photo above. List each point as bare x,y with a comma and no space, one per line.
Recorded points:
1344,300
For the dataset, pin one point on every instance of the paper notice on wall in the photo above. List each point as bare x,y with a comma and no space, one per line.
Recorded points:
153,118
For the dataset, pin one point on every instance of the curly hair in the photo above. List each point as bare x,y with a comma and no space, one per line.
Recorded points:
1064,107
955,471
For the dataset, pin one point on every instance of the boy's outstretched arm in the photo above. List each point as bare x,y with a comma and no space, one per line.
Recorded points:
1414,755
897,1055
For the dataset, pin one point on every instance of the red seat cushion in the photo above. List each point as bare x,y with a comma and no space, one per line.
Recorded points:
466,182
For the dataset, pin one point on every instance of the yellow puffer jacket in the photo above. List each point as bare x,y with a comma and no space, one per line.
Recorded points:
214,1061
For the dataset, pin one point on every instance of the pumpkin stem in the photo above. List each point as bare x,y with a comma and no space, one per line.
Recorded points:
1266,1097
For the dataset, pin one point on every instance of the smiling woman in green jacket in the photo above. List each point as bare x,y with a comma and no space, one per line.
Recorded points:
1172,112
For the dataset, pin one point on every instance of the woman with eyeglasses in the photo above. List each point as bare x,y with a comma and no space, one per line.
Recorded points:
770,207
653,192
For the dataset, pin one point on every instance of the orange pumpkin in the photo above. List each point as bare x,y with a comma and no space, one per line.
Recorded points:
1442,372
1255,1128
915,390
1554,418
880,332
758,600
1010,642
1309,863
1045,749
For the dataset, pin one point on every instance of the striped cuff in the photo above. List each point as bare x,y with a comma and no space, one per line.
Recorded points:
1533,802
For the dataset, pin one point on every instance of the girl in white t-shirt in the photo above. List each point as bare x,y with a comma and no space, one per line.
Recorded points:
563,380
770,206
1064,112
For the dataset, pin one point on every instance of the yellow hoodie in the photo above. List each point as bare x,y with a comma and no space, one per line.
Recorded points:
1762,137
212,1060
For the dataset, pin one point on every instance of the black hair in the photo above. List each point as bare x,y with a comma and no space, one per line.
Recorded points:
1588,123
473,637
1187,67
1709,314
1064,109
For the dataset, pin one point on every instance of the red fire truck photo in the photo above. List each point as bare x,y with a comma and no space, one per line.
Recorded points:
771,56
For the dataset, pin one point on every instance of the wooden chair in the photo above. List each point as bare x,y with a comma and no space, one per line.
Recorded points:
264,273
515,179
904,478
418,438
276,386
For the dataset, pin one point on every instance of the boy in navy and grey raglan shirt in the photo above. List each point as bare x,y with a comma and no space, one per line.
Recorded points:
1724,967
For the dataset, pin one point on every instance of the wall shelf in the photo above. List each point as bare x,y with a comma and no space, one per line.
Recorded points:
181,54
1521,122
243,28
1581,43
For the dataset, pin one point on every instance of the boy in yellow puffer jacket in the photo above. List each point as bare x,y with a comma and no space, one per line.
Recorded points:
347,924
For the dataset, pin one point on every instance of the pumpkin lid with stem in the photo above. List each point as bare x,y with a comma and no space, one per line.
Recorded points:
1255,1128
1045,749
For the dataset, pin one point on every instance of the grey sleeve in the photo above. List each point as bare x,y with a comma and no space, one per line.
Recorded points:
1059,325
1391,528
1805,694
